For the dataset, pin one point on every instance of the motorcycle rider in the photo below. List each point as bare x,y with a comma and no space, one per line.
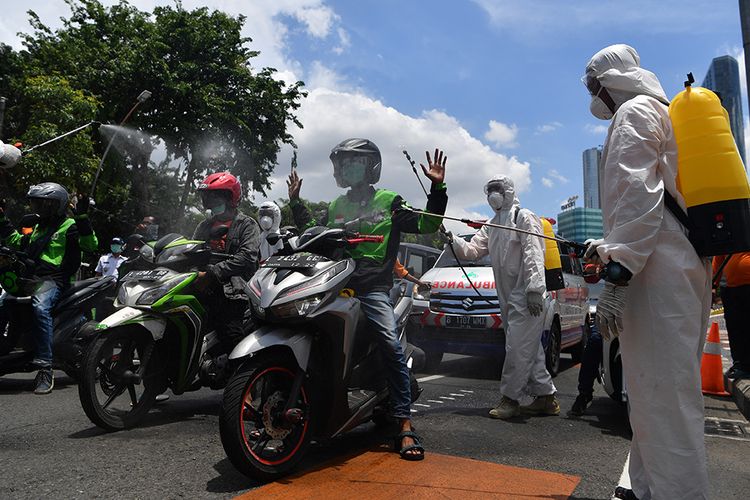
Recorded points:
356,165
518,265
220,193
269,219
55,246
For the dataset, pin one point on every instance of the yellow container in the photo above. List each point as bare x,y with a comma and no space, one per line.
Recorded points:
552,264
711,176
709,165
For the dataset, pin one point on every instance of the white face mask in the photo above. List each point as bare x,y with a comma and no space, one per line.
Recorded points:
266,223
495,200
599,109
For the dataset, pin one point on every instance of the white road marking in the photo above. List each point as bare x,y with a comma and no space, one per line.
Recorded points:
420,404
435,401
413,411
446,397
459,395
430,377
468,392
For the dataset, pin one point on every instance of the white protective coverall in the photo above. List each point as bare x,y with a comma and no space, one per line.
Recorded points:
269,210
669,297
518,266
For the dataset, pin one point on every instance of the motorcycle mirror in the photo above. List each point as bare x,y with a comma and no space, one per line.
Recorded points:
292,230
29,220
273,238
218,232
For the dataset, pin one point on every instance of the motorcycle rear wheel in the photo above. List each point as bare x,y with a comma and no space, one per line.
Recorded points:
254,434
110,392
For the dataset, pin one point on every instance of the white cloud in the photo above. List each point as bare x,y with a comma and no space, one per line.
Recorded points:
597,129
502,135
330,116
552,177
344,41
321,76
548,127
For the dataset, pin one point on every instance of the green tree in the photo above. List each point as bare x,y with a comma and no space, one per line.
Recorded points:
211,109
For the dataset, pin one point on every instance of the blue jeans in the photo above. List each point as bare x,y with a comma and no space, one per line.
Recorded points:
42,330
590,361
379,311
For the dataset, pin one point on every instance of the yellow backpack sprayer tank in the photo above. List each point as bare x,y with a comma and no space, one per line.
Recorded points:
553,274
711,176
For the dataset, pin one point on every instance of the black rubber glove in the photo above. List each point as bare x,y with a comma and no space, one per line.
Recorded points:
83,205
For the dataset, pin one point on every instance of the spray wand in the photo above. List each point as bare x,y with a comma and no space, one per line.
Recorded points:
57,138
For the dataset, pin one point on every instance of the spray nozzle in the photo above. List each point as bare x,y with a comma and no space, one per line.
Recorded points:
690,80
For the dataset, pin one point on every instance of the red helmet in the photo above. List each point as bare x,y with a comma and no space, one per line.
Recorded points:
223,181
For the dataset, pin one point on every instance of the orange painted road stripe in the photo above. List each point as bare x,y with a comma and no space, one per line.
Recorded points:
382,474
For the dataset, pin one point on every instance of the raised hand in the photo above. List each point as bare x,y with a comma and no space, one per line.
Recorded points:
294,183
436,170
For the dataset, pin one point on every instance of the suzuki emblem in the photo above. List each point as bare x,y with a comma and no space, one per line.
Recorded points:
467,303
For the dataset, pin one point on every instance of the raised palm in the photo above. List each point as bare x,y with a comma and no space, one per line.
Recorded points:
436,170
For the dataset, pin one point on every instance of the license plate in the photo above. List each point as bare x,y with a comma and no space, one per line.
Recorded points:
150,275
465,322
295,261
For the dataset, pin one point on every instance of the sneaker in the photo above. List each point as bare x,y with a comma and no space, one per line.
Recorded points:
543,405
508,408
581,403
624,494
44,381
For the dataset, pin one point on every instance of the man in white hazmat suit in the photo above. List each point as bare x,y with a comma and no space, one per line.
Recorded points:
518,265
662,312
269,219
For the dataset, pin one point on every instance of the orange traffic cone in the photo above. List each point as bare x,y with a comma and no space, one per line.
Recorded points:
712,371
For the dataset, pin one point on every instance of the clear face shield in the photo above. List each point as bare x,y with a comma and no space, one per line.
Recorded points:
353,169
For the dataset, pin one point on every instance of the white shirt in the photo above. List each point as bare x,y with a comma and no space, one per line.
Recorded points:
109,264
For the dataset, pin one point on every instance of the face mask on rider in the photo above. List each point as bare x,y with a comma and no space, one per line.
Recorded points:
495,199
353,171
266,222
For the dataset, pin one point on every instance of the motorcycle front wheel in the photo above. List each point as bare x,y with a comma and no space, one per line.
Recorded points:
119,378
261,440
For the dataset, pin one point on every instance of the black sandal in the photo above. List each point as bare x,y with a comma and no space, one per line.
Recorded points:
404,451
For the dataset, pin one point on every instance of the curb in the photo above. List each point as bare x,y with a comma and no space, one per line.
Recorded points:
740,390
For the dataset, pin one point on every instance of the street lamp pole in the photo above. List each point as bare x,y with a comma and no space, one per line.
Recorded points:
745,26
142,97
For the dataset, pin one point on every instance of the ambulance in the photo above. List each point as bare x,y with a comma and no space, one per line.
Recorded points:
452,318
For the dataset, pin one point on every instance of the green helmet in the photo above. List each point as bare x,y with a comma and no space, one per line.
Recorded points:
353,153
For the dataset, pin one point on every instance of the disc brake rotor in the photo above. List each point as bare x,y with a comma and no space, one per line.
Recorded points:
268,418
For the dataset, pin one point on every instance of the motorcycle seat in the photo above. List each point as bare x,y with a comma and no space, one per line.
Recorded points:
84,288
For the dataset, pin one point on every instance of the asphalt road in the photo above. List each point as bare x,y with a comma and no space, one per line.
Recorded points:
48,448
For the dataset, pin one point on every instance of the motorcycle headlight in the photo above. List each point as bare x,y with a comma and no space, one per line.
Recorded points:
298,307
151,295
321,278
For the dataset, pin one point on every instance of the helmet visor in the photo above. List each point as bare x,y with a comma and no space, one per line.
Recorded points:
592,84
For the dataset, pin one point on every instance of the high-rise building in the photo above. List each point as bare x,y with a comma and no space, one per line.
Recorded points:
580,224
592,159
723,77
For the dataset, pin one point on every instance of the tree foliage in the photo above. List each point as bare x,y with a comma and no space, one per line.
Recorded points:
210,109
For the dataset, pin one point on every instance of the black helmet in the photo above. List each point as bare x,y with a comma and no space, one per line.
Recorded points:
50,191
356,148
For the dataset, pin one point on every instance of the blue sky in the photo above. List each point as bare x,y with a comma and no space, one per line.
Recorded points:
496,83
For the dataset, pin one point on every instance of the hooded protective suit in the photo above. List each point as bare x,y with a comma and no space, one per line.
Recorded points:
269,210
518,265
668,299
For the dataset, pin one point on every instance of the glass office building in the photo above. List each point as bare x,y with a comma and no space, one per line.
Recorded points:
580,224
723,77
592,159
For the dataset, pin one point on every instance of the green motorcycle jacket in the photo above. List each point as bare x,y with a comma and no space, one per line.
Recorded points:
382,214
60,257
